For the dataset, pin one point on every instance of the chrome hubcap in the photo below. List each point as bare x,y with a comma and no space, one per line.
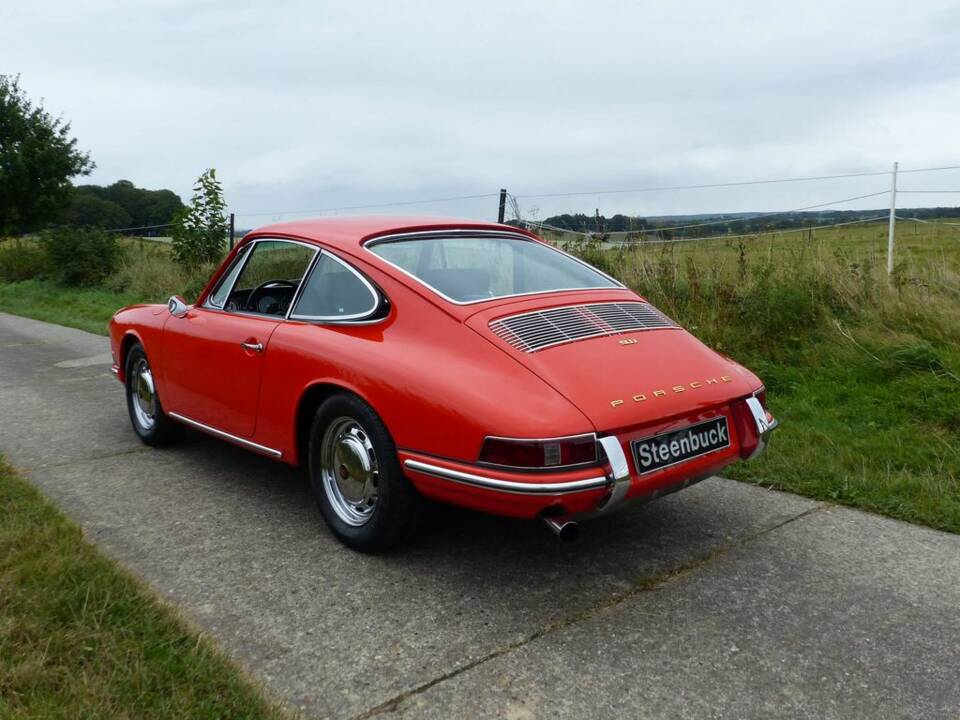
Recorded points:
351,474
144,394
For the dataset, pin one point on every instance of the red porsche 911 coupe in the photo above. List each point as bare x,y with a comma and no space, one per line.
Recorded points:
468,362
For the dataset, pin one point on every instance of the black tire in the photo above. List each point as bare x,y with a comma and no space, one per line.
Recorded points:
395,514
162,430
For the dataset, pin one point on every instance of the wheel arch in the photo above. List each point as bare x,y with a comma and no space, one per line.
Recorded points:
130,338
311,399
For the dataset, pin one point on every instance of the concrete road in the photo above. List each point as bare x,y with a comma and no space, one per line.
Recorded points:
723,601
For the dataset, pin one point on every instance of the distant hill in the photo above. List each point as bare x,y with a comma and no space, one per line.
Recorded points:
728,223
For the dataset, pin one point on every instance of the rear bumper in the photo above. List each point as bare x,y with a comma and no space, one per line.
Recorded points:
592,491
598,488
589,491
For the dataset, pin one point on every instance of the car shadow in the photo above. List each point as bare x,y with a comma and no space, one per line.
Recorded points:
637,541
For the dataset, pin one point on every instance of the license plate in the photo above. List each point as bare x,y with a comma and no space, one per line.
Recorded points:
677,446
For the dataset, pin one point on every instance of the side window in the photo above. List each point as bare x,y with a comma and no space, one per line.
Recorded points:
269,279
219,296
334,291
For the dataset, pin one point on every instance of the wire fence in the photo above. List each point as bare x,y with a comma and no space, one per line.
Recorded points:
652,229
628,237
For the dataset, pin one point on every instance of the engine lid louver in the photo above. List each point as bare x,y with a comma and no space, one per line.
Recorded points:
533,331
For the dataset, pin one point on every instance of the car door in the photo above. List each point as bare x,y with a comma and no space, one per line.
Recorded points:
213,355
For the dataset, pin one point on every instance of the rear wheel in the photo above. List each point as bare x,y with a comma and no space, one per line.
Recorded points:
363,494
151,424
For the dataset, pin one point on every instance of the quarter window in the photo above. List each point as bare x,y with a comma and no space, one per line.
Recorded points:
219,296
335,291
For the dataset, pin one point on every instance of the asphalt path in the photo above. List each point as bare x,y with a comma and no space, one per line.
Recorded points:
722,601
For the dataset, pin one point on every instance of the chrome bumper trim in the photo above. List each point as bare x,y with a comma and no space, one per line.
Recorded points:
764,427
507,486
619,475
249,444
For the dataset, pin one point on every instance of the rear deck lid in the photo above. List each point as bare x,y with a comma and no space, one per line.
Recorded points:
620,360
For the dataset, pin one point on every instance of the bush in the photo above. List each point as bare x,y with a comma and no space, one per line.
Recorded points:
22,261
81,257
781,304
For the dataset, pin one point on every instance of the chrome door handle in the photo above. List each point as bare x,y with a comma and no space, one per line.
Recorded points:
253,347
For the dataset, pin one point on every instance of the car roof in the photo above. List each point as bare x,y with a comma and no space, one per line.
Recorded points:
349,232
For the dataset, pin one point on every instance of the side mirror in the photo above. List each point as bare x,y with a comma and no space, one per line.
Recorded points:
177,306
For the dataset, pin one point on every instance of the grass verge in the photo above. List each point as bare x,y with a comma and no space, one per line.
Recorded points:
88,309
81,638
860,430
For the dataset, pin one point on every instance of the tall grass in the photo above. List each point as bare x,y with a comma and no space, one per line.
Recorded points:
862,368
769,294
147,271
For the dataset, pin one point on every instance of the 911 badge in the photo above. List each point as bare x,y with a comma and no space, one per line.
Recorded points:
660,451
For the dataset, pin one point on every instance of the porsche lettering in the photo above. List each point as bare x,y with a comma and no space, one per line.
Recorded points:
676,389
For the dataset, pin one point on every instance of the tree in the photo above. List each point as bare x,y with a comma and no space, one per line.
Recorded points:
199,233
37,159
141,207
89,210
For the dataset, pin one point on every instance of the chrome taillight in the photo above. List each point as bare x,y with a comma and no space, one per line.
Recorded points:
533,454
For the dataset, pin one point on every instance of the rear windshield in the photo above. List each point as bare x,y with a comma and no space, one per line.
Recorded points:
467,269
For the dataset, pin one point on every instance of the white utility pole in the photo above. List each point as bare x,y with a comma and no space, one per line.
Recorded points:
893,220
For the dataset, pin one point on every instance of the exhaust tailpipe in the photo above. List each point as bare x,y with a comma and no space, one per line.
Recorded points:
566,530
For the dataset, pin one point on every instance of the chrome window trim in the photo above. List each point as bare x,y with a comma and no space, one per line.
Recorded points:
426,234
355,318
242,254
252,245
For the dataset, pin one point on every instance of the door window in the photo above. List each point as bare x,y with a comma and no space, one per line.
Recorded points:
219,296
268,281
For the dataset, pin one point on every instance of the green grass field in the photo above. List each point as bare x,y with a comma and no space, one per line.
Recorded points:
79,638
862,369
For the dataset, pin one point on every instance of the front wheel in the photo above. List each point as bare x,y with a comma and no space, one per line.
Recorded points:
150,422
363,494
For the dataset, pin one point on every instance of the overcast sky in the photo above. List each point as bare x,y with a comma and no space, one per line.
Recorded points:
314,105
